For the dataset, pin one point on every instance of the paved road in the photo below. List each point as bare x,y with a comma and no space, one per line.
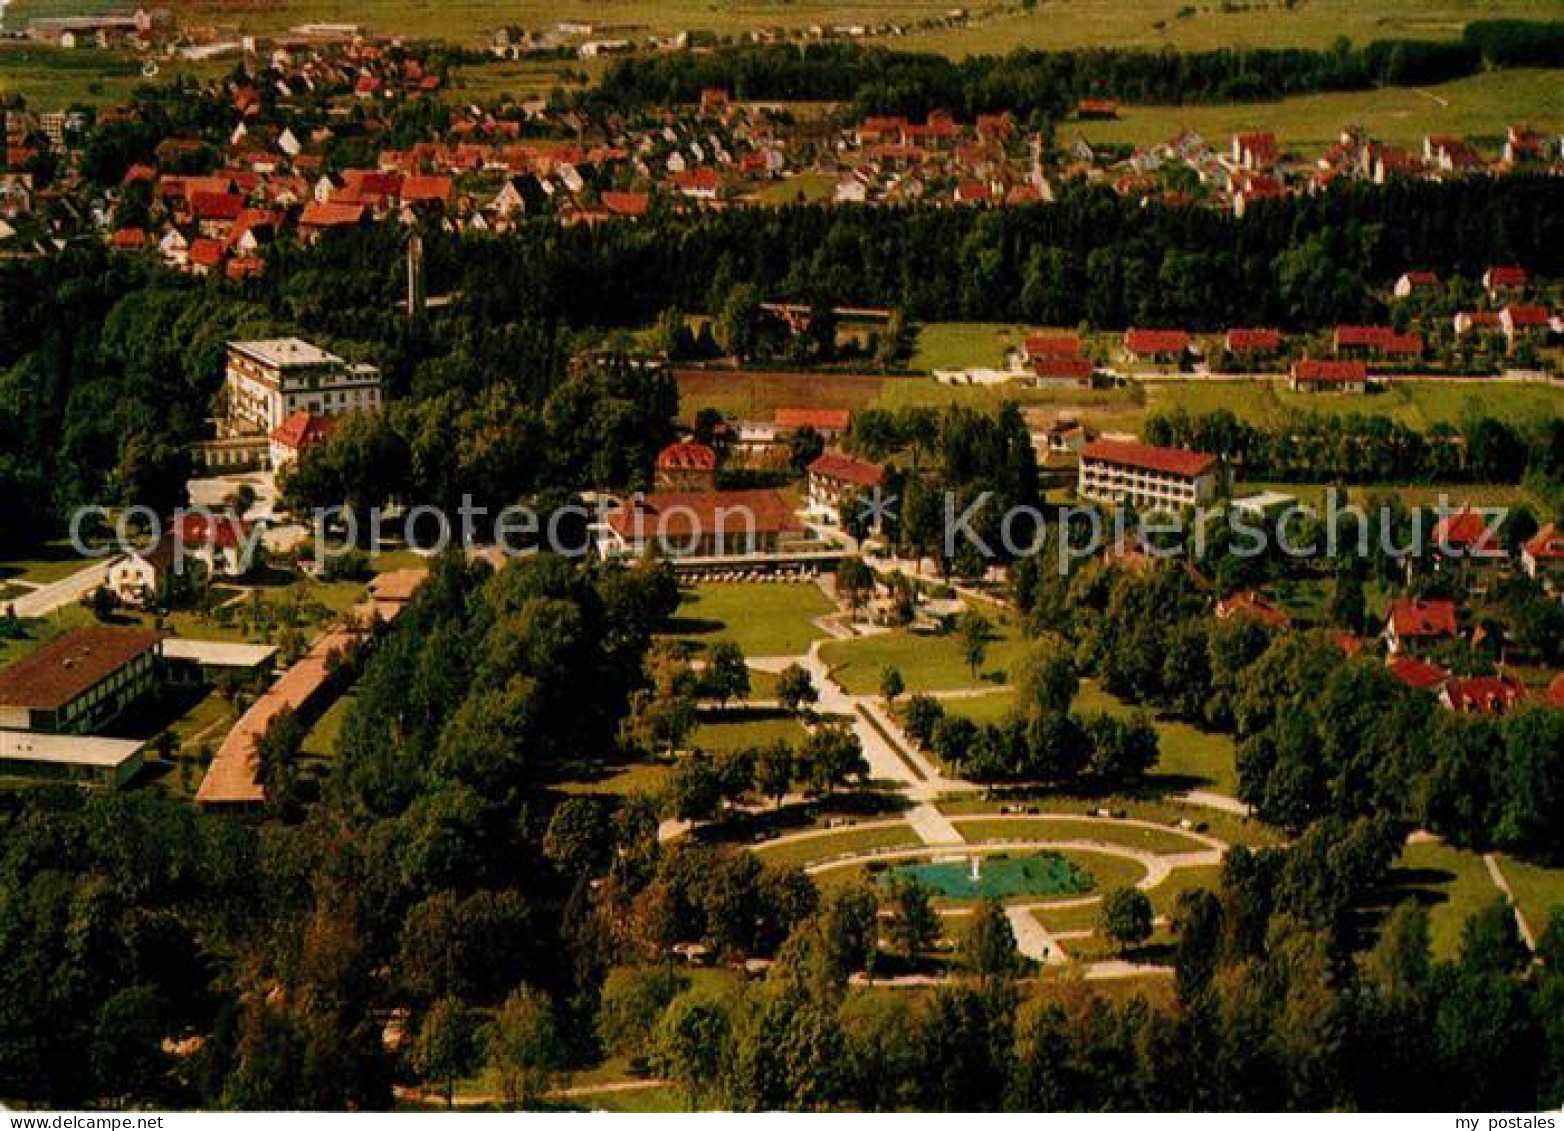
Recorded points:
67,591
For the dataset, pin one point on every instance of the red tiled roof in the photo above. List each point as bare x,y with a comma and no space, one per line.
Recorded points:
1172,461
65,668
1417,673
820,419
1254,341
223,531
1349,644
216,205
1052,345
1505,277
1554,696
1335,372
1062,368
1525,315
626,203
1422,618
433,190
707,180
689,456
1145,342
679,515
1466,531
1483,694
128,239
1255,606
330,215
206,253
1547,544
1422,278
303,429
848,469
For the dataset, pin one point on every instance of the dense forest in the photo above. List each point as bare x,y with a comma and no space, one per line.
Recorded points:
1048,84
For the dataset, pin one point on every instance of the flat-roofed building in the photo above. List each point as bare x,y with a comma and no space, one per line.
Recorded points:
106,762
1145,476
269,380
81,681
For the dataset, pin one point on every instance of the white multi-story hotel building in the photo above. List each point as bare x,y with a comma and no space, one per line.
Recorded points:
268,381
1147,477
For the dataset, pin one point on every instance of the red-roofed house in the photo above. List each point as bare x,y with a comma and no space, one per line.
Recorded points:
686,466
631,205
1162,347
1062,373
297,434
1253,342
829,422
1248,604
1523,321
1050,345
698,184
1417,673
1415,282
1505,280
128,239
1542,557
318,217
222,543
721,524
1554,695
1316,375
836,478
1255,150
1469,542
1376,340
206,256
1416,624
79,682
1482,694
1145,476
431,191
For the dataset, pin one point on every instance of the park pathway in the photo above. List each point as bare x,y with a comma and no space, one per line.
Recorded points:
45,599
1491,862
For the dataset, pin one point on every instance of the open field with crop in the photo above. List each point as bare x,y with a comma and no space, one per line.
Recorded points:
994,26
1479,107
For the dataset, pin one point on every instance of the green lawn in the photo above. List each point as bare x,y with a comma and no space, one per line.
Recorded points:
806,188
51,78
927,661
1452,883
1082,917
1538,891
642,777
762,618
977,830
966,345
1218,823
321,742
748,729
1207,759
1164,897
814,849
48,563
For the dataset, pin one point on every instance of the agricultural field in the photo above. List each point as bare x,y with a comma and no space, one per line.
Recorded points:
49,77
1479,107
757,395
994,27
763,619
927,661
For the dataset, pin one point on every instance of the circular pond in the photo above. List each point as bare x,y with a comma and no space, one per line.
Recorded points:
978,877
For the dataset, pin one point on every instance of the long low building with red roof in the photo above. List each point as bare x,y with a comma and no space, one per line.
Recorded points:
700,524
1145,476
835,478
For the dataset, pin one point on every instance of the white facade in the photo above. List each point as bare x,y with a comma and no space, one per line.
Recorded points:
1105,481
268,381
